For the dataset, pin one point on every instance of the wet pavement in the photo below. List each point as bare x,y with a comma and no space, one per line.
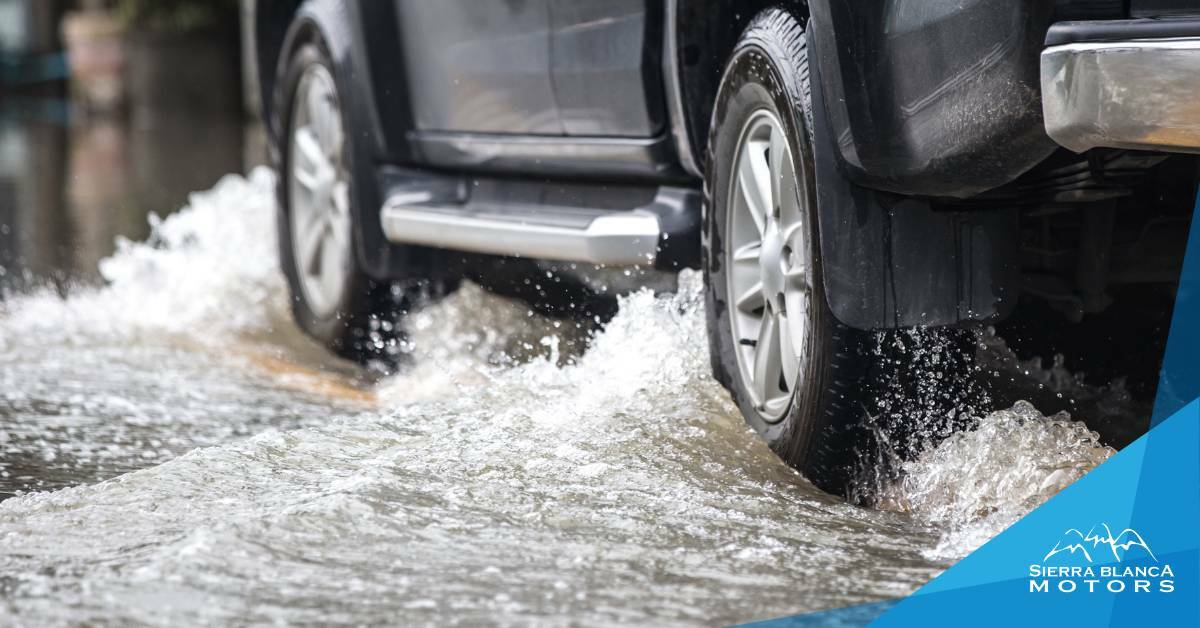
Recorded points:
175,451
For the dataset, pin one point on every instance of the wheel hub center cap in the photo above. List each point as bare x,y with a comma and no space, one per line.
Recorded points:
771,264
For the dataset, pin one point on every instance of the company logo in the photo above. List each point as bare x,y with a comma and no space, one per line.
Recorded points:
1099,538
1091,562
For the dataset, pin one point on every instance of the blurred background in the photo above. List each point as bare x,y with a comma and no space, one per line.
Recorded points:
110,110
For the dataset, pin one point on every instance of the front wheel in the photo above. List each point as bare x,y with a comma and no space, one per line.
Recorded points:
839,404
792,368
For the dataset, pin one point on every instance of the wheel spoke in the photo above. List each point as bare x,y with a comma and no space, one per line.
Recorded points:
339,217
762,173
307,180
752,299
317,109
792,227
332,141
330,265
778,158
767,360
789,361
310,160
754,179
748,252
339,232
310,247
335,149
341,199
797,278
310,219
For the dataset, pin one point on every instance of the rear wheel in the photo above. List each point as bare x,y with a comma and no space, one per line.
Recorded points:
318,190
333,300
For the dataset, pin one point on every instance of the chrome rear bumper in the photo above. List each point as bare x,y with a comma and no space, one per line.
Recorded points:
1136,94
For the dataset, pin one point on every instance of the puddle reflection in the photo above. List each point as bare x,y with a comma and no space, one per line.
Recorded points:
70,185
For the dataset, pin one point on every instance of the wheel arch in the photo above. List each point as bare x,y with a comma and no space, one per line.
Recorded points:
890,260
340,27
894,261
705,33
271,19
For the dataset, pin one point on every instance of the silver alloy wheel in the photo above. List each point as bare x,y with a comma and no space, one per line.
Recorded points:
319,192
767,253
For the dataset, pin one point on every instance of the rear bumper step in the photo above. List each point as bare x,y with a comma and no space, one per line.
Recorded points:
1138,92
612,237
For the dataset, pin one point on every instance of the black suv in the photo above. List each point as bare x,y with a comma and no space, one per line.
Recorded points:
835,168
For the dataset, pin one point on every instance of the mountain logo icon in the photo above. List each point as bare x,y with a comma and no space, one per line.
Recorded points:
1091,545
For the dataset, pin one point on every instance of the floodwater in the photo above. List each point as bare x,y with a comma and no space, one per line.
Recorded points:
175,452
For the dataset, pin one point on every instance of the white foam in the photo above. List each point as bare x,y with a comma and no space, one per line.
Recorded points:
209,269
506,471
976,483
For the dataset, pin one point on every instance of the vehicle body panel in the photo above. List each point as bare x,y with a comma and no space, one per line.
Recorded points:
937,97
479,66
921,102
891,261
607,68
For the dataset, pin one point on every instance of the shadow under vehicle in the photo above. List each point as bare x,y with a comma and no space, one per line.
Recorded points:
835,169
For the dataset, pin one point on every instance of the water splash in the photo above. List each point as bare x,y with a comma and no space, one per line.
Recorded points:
508,475
923,388
962,467
621,487
978,482
207,270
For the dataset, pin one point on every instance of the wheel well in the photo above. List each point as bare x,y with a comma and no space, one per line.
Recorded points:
707,31
271,21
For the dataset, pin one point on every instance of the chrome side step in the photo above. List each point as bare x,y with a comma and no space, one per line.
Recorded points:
613,237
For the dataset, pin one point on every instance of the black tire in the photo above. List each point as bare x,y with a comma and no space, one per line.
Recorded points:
821,431
864,401
364,324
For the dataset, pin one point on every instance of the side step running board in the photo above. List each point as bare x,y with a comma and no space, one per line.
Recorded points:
614,237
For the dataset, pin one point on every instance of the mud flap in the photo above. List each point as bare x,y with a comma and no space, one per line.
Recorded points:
892,261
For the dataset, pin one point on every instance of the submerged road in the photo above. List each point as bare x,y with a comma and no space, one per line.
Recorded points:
172,450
